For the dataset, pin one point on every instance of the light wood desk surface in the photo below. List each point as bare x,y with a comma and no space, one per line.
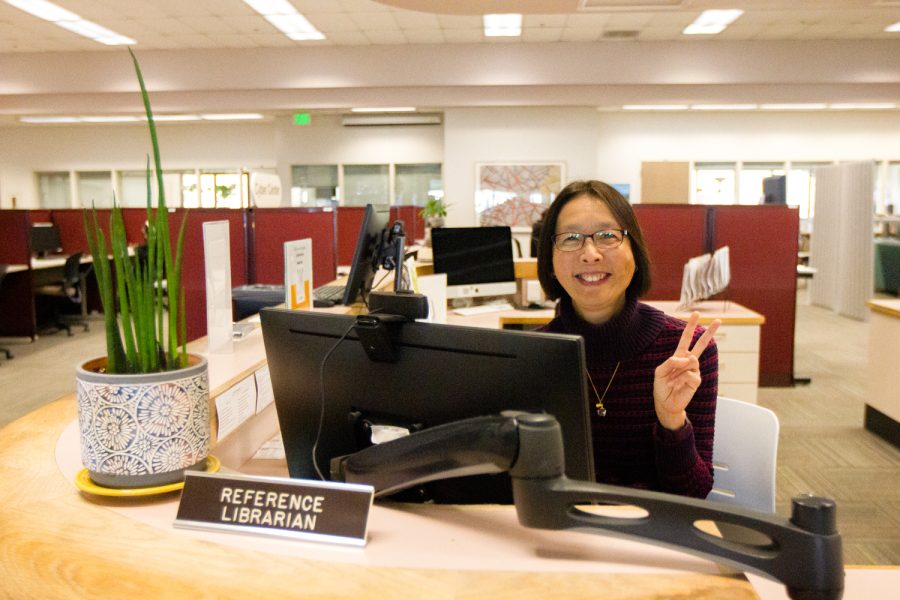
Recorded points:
59,543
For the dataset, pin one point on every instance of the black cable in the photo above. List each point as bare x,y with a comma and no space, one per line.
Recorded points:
322,399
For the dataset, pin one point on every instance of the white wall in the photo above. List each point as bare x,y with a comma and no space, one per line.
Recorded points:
532,134
627,139
607,146
27,149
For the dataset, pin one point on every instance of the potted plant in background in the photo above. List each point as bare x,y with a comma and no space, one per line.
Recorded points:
433,213
143,409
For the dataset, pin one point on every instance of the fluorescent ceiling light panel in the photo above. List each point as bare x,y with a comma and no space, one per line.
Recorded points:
175,118
69,20
110,119
724,107
282,15
801,106
893,28
863,106
655,107
384,110
502,25
711,22
44,10
48,119
231,117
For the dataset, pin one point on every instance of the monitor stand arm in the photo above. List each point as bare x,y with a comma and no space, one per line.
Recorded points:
804,553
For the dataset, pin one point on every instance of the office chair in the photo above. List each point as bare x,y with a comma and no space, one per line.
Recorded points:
745,450
3,268
70,290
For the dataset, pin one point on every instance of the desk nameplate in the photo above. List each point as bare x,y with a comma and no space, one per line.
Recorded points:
318,511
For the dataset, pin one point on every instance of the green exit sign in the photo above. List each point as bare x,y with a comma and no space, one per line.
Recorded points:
302,119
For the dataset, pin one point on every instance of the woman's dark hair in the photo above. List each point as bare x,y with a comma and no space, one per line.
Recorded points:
624,214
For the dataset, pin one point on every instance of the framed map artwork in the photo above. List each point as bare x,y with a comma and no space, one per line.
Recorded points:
515,194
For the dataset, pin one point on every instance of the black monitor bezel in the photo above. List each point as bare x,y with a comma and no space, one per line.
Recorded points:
443,373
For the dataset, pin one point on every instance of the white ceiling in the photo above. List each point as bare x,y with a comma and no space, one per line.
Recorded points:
201,55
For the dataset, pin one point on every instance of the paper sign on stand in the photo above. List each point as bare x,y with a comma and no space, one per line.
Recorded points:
435,289
298,274
217,260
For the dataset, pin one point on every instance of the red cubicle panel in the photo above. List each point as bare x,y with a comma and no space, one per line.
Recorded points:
272,227
762,243
673,234
413,224
17,314
193,274
349,220
39,215
70,223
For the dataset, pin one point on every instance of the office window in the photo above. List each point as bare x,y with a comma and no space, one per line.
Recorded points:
414,184
714,183
95,189
892,189
314,185
222,189
54,190
366,184
751,180
133,186
801,187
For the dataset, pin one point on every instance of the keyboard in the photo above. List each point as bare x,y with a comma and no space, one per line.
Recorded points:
334,293
468,311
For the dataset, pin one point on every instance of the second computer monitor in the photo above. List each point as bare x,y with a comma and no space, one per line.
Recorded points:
478,261
363,267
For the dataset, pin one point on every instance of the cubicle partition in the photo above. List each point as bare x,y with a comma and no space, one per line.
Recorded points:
272,227
70,222
763,252
349,220
17,313
193,274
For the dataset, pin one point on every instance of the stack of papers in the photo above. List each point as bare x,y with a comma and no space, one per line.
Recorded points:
704,277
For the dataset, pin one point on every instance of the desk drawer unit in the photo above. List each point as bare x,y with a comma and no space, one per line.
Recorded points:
738,361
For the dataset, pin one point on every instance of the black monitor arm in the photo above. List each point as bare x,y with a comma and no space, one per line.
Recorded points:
804,553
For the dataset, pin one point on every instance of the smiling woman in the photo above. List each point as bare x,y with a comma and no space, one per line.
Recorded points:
655,416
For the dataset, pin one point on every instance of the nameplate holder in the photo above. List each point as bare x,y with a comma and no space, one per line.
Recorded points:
316,511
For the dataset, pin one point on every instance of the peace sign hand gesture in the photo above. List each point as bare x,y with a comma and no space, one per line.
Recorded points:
676,380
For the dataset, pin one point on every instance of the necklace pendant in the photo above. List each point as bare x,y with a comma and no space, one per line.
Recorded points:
601,412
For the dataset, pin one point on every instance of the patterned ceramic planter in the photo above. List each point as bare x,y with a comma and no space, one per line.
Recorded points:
143,430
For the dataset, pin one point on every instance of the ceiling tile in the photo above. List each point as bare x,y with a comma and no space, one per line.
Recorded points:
348,38
587,21
375,21
271,40
408,19
529,21
628,20
660,33
463,36
208,25
424,36
168,26
460,21
542,34
381,36
581,34
327,23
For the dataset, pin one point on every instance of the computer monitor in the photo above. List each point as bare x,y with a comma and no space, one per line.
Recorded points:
45,239
478,261
365,256
442,373
775,190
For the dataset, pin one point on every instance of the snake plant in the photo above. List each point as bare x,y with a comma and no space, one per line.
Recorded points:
135,296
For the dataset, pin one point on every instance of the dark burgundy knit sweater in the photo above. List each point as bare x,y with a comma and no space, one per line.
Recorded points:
631,448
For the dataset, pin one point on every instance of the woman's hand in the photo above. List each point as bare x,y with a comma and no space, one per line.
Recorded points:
676,380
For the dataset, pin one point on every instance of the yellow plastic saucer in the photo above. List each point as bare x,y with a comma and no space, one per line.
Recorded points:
83,482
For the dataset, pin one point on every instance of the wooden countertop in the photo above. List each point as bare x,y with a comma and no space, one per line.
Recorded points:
59,543
890,307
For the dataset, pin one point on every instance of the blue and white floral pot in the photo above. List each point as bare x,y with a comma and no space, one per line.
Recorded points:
143,430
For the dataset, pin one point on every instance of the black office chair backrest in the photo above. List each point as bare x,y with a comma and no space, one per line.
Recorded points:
72,269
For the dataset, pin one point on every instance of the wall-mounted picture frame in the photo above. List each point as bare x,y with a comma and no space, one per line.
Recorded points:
515,194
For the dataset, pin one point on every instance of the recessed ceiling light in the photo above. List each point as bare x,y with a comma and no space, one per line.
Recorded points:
69,20
655,107
893,28
175,118
110,119
795,106
383,110
502,25
285,17
724,107
711,22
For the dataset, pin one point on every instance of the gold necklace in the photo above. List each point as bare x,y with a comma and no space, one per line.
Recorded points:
601,410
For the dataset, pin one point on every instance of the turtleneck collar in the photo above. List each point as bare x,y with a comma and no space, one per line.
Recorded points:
625,335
